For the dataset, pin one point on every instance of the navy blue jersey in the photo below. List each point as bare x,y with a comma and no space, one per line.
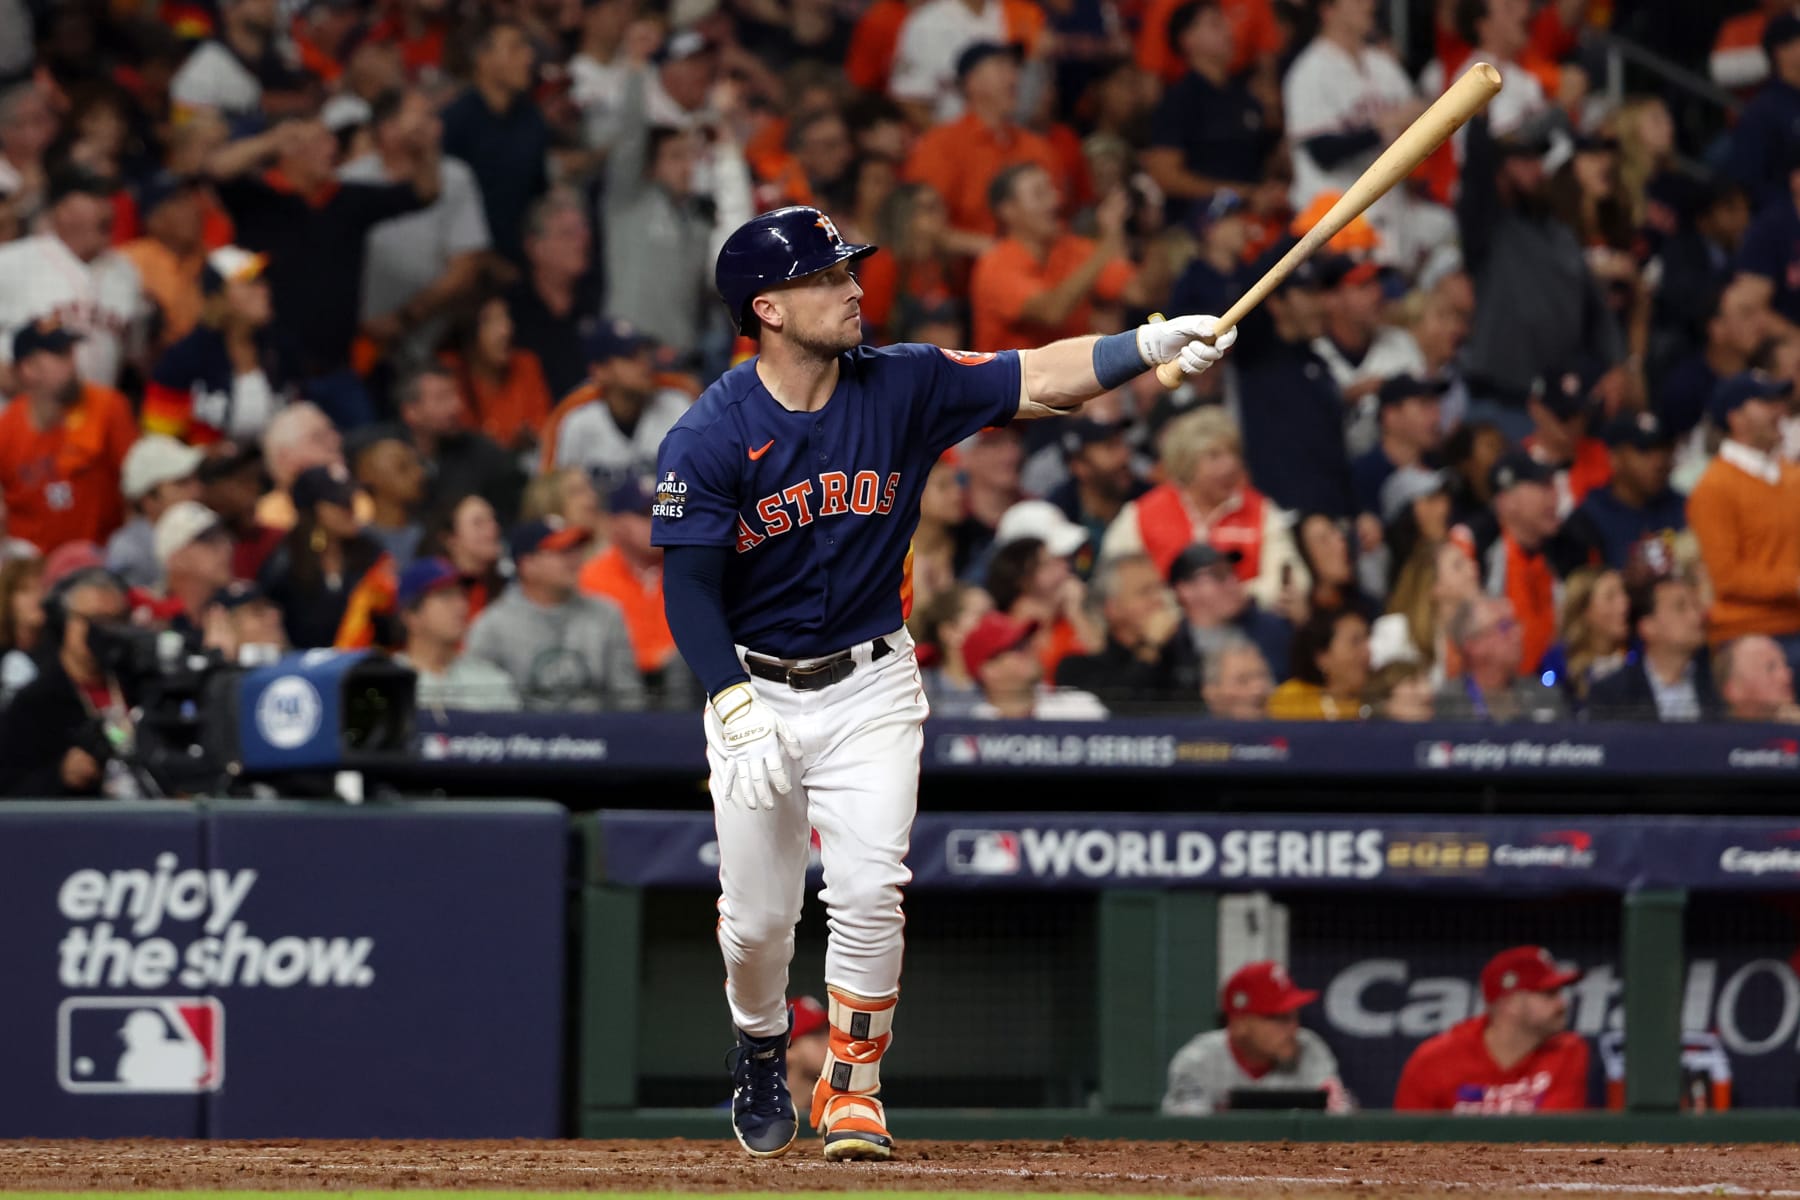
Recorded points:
821,507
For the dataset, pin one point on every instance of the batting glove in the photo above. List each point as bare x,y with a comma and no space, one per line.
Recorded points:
752,745
1185,339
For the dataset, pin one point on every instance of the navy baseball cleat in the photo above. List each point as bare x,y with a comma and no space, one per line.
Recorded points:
762,1111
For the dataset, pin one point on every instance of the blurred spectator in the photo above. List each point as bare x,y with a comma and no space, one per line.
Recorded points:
990,463
1737,320
1738,60
496,128
193,556
1470,453
931,57
1206,499
1144,667
558,295
54,735
318,565
941,627
1101,481
809,1039
245,70
225,378
629,572
62,443
1261,1047
1032,580
388,470
467,534
1218,608
1489,642
1294,428
960,159
564,651
1637,503
1360,350
1588,196
1427,592
434,609
1768,252
1514,564
1235,681
1439,326
1755,681
1208,132
659,224
875,39
27,127
1414,518
1402,691
1039,283
1411,416
1330,669
1325,550
1216,276
568,493
999,655
158,472
1697,260
914,270
1593,633
1256,35
419,267
457,459
280,190
299,437
1745,511
1670,679
170,255
231,484
22,592
613,425
70,274
503,390
1537,304
244,625
1561,406
1762,141
1517,1057
942,542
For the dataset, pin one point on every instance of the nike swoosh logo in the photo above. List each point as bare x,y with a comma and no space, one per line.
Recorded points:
762,450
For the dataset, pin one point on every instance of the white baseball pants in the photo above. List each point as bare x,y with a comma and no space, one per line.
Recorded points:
857,783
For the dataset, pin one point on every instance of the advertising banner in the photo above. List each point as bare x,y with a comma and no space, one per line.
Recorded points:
282,970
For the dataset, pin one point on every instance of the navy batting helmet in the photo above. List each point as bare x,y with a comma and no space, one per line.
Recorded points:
777,246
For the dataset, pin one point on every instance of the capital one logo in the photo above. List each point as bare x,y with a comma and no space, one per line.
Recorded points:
140,1044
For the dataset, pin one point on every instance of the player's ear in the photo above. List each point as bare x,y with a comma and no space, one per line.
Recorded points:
767,309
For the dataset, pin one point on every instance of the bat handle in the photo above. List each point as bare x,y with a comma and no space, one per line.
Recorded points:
1169,373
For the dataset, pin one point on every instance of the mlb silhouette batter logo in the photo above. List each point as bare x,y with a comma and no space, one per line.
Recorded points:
141,1044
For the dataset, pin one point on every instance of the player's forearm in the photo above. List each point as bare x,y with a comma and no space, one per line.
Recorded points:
1059,378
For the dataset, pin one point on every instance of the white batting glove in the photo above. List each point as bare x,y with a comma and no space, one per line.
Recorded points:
753,746
1183,339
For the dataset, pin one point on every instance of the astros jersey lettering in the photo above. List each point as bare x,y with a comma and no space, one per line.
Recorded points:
821,506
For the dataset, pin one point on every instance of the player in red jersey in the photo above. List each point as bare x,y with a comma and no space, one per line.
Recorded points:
1518,1057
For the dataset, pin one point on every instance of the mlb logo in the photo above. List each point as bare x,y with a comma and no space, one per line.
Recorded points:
140,1044
1434,754
983,852
961,750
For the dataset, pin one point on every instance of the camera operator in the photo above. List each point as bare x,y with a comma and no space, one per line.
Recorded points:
59,731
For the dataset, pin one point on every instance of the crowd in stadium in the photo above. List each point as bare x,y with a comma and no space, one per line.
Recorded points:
358,323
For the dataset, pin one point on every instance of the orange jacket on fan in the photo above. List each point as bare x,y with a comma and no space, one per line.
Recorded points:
1255,34
1454,1073
373,604
960,158
1166,528
1008,275
640,600
1531,586
518,403
870,59
1749,535
62,484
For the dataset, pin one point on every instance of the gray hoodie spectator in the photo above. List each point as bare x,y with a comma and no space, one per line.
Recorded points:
564,651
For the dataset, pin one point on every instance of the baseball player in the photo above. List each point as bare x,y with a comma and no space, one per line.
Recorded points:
1517,1057
1262,1047
786,498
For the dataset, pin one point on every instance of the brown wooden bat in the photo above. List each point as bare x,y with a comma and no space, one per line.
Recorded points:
1466,97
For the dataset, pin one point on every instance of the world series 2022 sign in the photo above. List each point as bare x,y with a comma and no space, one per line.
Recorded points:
281,970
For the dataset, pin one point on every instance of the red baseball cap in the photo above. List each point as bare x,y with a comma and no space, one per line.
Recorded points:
1523,969
1263,989
994,634
806,1016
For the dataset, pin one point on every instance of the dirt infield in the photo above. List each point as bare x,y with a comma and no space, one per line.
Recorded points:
1249,1170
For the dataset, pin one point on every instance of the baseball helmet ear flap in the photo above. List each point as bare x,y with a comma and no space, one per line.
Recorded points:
788,243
